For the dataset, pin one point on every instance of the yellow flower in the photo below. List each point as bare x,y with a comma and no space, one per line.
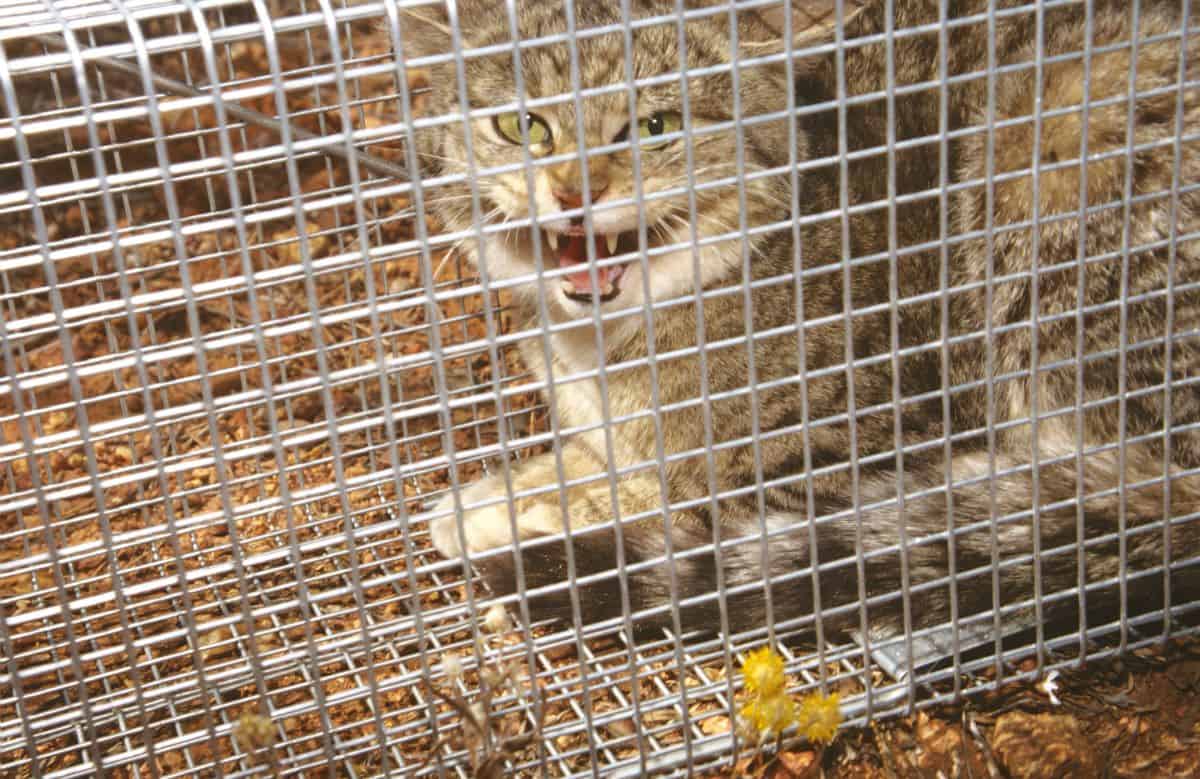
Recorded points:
763,671
771,714
819,717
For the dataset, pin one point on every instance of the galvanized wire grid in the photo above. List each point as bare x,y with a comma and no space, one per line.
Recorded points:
239,364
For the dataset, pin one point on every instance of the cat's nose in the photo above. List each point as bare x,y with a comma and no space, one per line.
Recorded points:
573,198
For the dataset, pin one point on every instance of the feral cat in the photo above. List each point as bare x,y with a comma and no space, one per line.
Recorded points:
859,391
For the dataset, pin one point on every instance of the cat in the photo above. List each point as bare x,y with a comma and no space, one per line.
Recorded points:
926,287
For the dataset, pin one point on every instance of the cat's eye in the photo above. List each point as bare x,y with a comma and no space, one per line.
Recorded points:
508,126
658,124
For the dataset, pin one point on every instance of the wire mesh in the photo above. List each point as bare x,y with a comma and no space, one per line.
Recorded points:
244,361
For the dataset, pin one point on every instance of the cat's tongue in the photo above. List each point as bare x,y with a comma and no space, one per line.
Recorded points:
573,252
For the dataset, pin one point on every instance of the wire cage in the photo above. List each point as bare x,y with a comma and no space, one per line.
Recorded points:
245,357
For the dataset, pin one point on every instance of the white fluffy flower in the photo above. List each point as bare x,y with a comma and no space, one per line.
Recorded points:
452,666
496,620
1049,686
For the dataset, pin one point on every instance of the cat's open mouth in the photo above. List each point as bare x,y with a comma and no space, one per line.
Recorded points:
569,248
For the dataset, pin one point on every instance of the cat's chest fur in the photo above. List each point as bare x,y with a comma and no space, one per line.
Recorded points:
581,398
569,380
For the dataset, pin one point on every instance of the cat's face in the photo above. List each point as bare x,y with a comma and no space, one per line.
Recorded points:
592,105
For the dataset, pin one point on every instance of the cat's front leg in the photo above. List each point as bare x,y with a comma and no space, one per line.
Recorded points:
486,517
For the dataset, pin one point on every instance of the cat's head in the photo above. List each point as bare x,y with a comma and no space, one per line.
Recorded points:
586,98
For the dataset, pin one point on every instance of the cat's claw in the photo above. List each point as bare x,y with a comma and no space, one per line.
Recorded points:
489,527
443,531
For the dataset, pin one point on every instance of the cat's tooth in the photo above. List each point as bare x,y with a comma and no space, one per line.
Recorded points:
611,238
552,237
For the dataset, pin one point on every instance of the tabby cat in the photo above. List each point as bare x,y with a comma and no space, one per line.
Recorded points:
791,262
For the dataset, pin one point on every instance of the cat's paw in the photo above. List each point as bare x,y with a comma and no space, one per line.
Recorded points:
488,527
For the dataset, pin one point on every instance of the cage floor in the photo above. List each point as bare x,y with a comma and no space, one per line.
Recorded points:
349,680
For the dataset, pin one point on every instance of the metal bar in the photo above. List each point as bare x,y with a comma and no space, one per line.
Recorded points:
249,367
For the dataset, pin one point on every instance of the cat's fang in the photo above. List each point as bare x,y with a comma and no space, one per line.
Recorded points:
611,240
551,238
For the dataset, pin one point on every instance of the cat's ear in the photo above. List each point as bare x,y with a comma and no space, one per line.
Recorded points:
425,30
809,19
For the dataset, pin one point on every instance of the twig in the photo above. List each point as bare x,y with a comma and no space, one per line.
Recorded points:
376,165
962,747
988,756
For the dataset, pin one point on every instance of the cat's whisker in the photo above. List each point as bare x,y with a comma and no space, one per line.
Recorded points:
427,202
665,237
509,234
730,168
442,158
454,247
411,211
722,228
445,259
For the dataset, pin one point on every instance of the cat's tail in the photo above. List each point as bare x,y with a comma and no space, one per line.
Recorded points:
1002,551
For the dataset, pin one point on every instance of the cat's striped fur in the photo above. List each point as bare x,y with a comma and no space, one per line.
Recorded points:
759,397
